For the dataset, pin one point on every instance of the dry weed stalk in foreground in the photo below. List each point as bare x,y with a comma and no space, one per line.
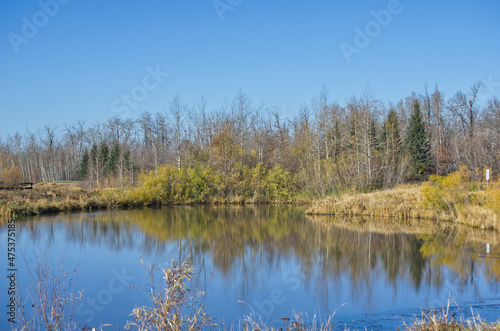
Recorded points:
300,322
52,297
173,308
446,321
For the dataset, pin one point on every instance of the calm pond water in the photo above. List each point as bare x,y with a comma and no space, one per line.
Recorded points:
267,261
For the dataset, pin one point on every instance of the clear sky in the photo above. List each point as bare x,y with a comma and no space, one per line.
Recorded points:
69,60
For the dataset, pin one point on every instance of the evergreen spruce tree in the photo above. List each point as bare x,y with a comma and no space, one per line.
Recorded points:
390,148
127,164
102,158
93,162
417,143
126,160
84,166
113,159
93,152
390,139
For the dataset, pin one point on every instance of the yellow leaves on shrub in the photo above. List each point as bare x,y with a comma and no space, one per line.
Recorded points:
167,184
493,200
170,185
278,181
457,194
446,192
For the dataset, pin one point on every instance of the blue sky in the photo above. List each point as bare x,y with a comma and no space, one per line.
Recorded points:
86,54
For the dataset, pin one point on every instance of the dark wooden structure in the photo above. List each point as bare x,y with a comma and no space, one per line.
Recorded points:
26,185
20,186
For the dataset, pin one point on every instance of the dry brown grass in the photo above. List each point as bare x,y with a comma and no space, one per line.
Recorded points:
479,217
298,322
402,203
47,197
455,197
444,320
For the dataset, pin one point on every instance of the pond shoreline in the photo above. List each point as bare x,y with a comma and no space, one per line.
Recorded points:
477,209
51,197
454,198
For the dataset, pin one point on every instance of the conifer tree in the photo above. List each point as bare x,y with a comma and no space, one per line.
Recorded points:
390,140
93,152
84,166
113,159
126,164
94,174
417,143
102,157
390,147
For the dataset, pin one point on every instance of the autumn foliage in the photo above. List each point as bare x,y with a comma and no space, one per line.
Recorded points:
464,197
10,175
168,185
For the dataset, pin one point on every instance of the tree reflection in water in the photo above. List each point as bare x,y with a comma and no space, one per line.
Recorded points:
252,241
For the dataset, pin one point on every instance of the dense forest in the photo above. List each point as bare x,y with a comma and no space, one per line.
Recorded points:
326,148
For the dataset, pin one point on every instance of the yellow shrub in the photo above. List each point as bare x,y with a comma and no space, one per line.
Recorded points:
447,192
493,199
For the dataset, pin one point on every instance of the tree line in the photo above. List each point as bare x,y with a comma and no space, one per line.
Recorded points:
326,148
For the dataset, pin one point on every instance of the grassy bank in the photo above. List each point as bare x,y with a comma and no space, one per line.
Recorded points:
47,197
164,187
402,202
456,198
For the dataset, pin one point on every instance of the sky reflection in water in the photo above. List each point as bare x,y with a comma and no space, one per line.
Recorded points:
269,261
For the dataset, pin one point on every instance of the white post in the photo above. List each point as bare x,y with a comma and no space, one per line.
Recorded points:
488,248
487,177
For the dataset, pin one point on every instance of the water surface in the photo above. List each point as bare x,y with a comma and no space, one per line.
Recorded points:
267,262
